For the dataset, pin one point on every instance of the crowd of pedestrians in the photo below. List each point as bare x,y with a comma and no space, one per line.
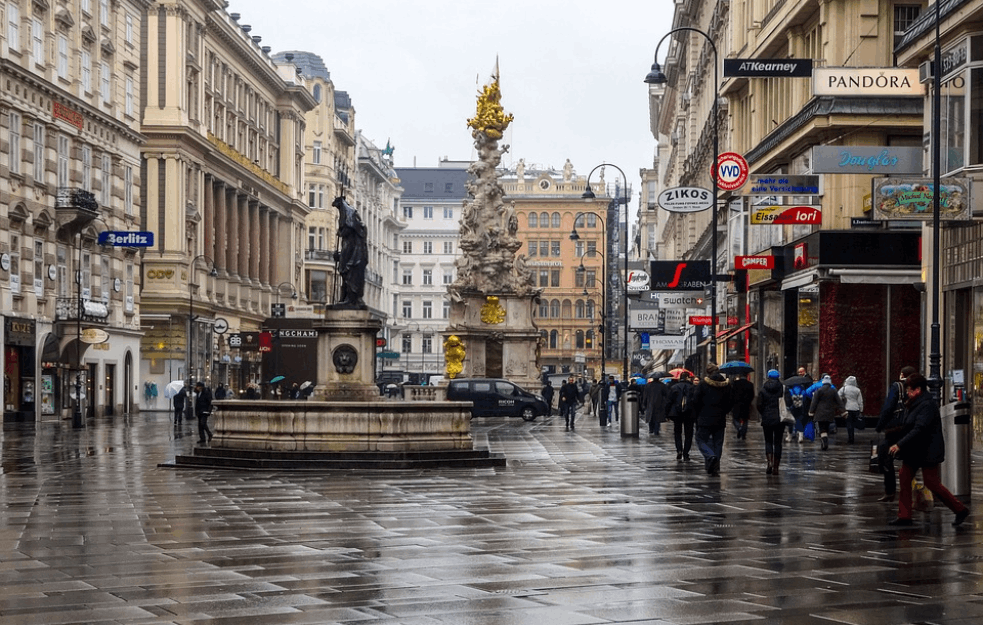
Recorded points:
797,409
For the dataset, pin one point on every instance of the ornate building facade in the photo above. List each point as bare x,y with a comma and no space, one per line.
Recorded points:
224,163
70,137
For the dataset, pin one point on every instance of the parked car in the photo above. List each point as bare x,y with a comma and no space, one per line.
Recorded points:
492,397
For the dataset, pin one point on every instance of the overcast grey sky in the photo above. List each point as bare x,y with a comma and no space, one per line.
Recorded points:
571,72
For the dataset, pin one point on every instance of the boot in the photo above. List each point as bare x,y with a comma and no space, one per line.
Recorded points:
771,464
801,437
825,441
774,465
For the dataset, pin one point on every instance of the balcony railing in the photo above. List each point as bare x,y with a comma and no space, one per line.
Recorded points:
322,255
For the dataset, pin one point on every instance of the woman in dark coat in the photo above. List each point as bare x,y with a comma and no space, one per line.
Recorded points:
680,412
772,392
922,447
712,400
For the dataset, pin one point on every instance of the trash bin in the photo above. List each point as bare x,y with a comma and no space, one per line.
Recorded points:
629,413
958,443
602,411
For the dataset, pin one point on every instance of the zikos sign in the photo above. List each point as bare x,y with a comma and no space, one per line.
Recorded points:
754,262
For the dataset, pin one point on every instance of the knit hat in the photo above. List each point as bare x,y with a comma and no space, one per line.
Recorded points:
827,379
712,368
773,374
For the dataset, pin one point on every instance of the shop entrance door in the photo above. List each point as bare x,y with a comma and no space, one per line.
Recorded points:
109,400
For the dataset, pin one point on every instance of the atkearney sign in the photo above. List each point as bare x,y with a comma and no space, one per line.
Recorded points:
764,68
856,159
866,81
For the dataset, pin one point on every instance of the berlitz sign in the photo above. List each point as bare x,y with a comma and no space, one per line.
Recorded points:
866,81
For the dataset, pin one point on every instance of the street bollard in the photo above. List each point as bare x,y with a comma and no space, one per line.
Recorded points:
629,413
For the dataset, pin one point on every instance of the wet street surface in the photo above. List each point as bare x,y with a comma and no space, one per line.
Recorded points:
580,527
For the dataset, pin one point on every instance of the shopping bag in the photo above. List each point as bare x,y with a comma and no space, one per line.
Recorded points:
921,497
786,416
810,431
875,462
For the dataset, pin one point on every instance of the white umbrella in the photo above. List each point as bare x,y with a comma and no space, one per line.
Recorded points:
304,386
173,388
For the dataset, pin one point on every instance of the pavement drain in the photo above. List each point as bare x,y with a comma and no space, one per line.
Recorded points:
517,592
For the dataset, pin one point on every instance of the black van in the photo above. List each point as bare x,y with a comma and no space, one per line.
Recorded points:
496,398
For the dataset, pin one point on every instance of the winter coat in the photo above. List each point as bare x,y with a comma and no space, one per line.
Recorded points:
180,398
606,390
923,445
569,394
851,396
712,400
893,408
203,402
548,394
770,394
743,398
655,401
677,390
825,405
796,395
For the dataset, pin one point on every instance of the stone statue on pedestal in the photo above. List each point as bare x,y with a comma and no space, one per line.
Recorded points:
353,256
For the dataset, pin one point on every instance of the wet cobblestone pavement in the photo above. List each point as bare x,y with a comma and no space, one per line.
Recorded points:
580,527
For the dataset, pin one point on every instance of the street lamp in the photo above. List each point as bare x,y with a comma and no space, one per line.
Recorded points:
574,236
657,77
293,290
935,348
589,195
191,314
581,269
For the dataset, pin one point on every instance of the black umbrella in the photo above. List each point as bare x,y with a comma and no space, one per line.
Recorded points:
797,380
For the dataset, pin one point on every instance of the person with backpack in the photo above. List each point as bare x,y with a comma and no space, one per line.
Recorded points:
681,414
891,425
796,402
824,408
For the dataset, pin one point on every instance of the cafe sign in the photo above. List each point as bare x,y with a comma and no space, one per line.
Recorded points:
913,199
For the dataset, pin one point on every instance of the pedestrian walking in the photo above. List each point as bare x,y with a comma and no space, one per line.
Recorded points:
203,408
548,391
681,413
220,392
568,402
853,401
922,447
771,394
595,397
825,406
795,401
891,424
612,395
179,399
655,400
743,398
712,400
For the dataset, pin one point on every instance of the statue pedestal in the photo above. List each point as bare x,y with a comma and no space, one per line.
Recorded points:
346,356
506,349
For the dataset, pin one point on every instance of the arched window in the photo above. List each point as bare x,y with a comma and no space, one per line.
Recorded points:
555,309
579,221
556,220
589,311
544,337
567,309
544,220
544,309
590,340
579,309
580,339
533,220
317,93
554,338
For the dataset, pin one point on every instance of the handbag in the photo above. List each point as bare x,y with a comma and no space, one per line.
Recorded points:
875,460
921,497
787,417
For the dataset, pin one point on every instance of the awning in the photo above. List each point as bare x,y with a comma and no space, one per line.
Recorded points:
878,276
726,334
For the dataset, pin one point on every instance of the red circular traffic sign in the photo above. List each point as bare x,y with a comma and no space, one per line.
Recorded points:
731,171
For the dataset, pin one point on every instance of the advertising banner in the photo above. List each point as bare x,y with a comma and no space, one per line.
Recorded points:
866,81
867,159
780,184
679,275
785,215
767,68
913,199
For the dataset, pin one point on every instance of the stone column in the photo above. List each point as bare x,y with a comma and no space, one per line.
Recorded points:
231,231
254,236
264,246
242,254
221,266
271,238
208,218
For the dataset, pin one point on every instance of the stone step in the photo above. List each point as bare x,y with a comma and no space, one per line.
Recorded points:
219,458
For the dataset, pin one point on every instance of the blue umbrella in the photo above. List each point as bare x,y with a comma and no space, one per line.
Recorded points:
736,367
277,379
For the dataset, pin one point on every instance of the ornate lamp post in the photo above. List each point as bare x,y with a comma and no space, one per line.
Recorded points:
657,77
191,313
935,348
574,236
589,195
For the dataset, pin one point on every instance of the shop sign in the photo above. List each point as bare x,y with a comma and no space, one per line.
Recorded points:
767,68
685,199
680,299
754,262
913,199
700,320
94,336
731,171
62,112
866,81
678,275
785,215
899,161
638,280
19,331
662,342
780,184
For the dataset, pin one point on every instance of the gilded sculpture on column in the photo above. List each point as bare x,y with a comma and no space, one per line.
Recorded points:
454,353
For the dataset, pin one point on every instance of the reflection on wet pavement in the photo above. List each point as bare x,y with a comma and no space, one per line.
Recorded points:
580,527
